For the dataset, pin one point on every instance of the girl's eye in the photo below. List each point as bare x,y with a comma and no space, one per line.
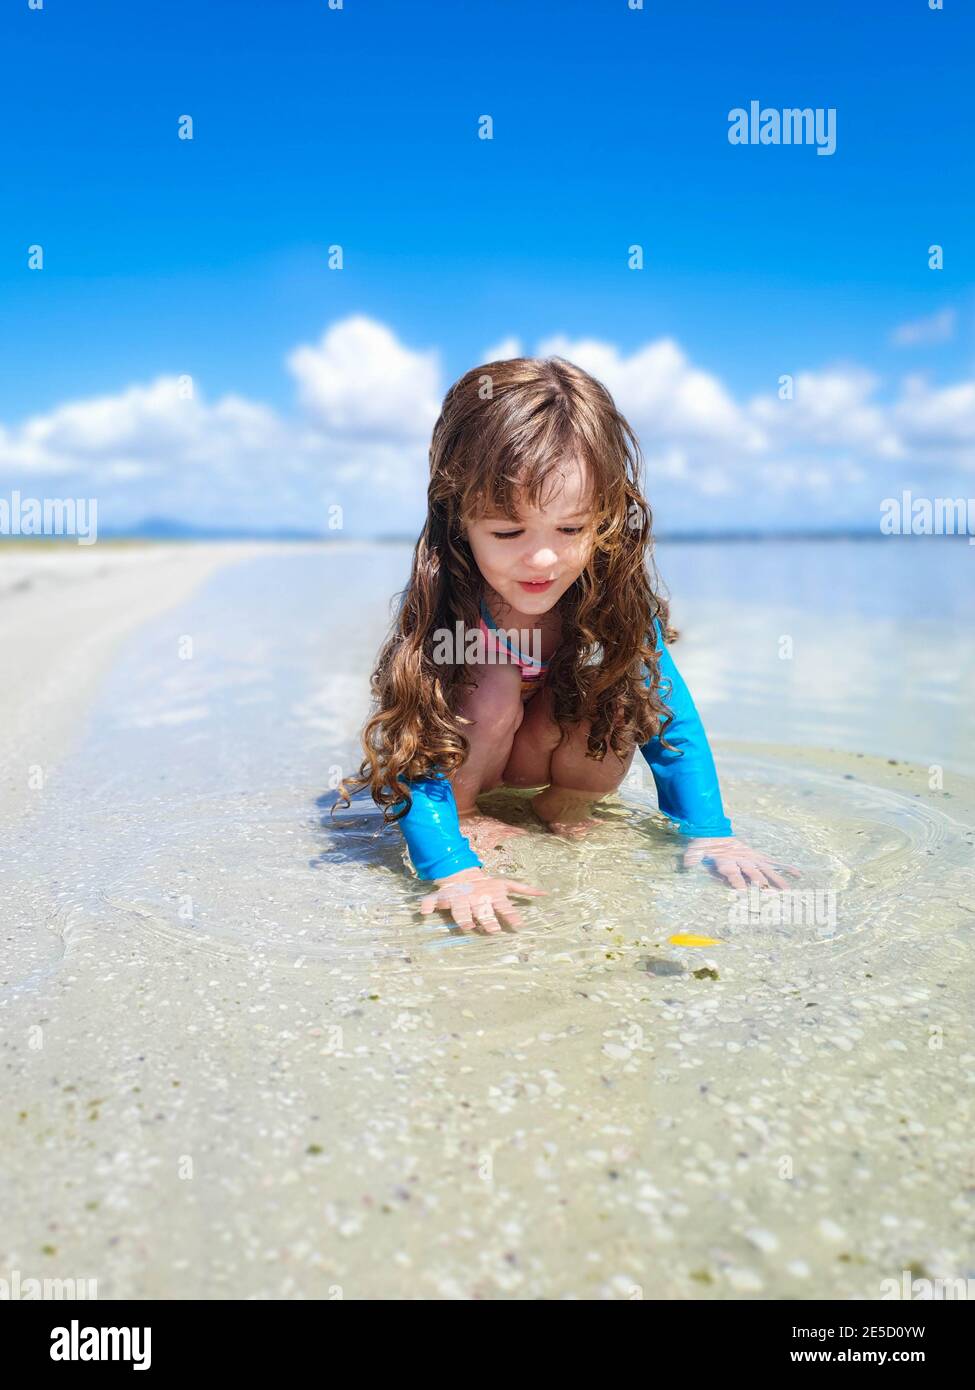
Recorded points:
510,535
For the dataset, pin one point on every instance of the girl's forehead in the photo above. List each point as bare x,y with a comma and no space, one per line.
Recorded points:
558,510
565,492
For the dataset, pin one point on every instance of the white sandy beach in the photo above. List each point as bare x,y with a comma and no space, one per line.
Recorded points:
63,611
240,1064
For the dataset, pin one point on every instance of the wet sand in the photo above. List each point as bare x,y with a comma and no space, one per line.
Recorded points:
240,1064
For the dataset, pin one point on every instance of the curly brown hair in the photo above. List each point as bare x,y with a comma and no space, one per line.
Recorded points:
503,428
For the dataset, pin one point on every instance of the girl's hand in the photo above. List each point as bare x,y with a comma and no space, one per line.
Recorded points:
735,861
472,897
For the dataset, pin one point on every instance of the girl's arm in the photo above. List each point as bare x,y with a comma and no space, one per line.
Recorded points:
687,783
472,896
431,829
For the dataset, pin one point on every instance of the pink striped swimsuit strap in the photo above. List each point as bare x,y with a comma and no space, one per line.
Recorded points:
530,670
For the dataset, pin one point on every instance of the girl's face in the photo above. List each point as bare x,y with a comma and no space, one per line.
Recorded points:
532,560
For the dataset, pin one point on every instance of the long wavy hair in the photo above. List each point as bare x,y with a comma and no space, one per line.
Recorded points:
503,428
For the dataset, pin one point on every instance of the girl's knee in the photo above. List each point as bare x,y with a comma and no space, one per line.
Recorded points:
572,766
495,704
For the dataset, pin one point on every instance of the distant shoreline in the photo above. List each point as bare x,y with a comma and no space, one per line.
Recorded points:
192,536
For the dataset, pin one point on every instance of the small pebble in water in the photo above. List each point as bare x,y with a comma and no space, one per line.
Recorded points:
763,1240
659,965
830,1231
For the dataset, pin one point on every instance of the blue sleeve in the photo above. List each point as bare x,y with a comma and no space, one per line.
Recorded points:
432,830
686,780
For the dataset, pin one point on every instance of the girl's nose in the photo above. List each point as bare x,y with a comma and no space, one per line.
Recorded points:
543,559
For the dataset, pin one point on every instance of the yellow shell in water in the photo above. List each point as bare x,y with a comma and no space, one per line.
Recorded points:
694,941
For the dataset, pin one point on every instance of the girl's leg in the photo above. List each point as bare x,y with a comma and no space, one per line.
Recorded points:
573,782
530,760
496,709
578,782
519,744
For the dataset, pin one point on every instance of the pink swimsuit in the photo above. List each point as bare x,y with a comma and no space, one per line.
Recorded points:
532,672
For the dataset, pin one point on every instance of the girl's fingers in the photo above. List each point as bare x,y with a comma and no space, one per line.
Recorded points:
762,860
478,913
771,868
460,909
508,912
729,870
769,865
753,873
484,916
765,866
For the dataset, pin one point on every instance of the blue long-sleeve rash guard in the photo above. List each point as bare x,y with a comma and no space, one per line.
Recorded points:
687,786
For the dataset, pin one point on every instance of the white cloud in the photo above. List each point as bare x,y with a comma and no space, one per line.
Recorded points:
938,424
663,396
140,431
832,409
504,351
936,328
360,380
157,450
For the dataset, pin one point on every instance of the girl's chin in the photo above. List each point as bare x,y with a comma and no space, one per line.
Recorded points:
527,602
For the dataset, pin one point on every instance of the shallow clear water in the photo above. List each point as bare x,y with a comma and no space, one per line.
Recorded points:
881,658
226,976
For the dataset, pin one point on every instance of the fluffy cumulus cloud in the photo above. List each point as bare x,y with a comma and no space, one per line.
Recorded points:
830,410
938,423
821,453
359,380
661,393
357,442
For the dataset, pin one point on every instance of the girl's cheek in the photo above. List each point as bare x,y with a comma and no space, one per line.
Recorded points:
580,557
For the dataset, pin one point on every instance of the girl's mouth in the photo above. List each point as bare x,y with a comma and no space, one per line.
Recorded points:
533,587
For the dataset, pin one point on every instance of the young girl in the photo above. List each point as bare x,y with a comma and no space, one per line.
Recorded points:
536,531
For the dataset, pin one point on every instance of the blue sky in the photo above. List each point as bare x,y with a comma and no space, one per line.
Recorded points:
166,257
